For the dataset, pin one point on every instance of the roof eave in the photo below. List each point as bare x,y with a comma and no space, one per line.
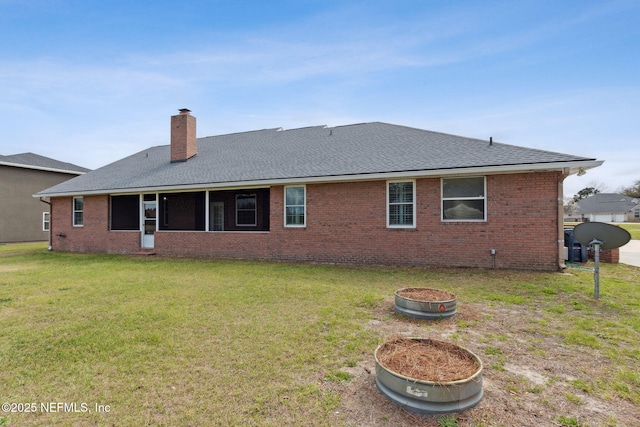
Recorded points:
41,168
569,168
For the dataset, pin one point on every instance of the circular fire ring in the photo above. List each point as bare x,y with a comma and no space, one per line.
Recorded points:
430,397
425,303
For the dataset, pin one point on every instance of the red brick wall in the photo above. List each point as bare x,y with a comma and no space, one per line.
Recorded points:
609,255
94,235
346,223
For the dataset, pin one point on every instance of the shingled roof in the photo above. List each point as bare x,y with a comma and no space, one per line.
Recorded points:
607,203
314,154
35,161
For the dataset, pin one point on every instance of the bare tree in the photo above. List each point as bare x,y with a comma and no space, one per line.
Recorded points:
632,191
570,206
593,188
599,185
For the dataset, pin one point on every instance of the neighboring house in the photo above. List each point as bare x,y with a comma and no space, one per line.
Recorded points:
23,218
610,207
370,193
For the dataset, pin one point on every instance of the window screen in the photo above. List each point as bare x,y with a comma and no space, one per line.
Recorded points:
463,199
125,212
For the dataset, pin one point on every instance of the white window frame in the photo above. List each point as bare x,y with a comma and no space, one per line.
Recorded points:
73,208
413,203
255,209
636,213
304,206
46,221
483,198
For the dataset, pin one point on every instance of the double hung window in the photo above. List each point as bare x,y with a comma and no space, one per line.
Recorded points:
246,210
46,221
464,199
78,211
401,204
295,206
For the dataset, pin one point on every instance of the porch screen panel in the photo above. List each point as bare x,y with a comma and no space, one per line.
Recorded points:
239,210
125,212
182,211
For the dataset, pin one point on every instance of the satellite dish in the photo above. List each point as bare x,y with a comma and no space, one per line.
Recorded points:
601,236
609,236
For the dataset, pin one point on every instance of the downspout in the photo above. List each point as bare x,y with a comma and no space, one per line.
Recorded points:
561,178
50,220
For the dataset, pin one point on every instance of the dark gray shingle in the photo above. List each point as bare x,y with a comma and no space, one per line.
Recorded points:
37,161
275,154
607,203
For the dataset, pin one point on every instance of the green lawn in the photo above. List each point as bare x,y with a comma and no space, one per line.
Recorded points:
168,342
633,229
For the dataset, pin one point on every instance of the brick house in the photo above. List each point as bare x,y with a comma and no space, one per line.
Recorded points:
370,193
23,218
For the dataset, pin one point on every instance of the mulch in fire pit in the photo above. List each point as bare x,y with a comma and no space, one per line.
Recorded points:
426,294
427,360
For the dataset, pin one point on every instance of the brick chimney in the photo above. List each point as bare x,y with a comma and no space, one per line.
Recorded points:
183,136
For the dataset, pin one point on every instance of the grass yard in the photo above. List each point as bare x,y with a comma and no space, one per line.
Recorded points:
633,228
114,340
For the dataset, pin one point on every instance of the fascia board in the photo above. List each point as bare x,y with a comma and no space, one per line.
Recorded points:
572,167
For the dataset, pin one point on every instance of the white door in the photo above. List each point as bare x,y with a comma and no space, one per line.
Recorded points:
148,220
217,216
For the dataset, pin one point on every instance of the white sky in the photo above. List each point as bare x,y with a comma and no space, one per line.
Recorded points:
90,82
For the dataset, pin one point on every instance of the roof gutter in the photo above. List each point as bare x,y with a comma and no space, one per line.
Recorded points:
572,167
42,199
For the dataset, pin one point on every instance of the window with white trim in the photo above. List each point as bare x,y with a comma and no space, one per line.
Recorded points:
295,206
46,221
401,204
246,210
78,211
464,199
636,213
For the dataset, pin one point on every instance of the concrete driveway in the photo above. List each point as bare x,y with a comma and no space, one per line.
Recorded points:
630,253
